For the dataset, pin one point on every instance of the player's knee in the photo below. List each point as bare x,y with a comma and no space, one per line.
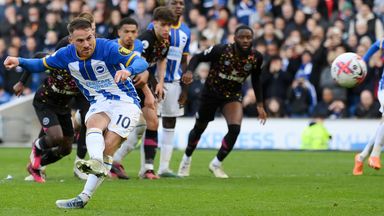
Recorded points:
233,133
234,129
200,127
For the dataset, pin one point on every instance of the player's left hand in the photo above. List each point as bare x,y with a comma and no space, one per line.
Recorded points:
159,91
122,75
262,114
141,79
187,77
183,98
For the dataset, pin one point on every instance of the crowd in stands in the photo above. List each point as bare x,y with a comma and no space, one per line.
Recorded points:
298,38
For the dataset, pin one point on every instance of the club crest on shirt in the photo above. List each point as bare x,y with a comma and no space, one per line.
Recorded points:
99,69
124,51
45,121
247,67
145,44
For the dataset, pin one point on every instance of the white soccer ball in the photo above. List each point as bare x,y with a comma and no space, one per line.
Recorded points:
349,70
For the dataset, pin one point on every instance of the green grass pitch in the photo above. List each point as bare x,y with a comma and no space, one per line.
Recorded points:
261,183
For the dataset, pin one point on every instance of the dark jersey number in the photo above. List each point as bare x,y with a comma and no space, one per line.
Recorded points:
125,121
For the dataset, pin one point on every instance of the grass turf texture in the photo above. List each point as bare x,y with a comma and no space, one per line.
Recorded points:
261,183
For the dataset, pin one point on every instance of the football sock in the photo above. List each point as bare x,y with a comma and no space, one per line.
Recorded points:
368,148
228,141
379,141
95,143
150,145
126,147
186,158
50,156
81,146
41,143
93,182
216,162
166,148
91,185
193,140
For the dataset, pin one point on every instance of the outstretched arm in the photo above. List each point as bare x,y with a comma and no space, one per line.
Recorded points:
373,49
31,65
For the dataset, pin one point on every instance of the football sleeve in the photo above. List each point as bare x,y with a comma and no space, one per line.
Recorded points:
131,61
209,55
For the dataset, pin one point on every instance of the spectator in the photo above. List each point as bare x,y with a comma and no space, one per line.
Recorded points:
213,32
300,100
365,17
10,27
50,42
275,108
114,24
326,80
101,26
244,10
367,107
142,18
329,107
275,82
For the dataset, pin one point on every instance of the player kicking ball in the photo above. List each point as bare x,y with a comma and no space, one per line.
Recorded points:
101,69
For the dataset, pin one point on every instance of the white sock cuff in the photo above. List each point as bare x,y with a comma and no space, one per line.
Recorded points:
169,129
94,130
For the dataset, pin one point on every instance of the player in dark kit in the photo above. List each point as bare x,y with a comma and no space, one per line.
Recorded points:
231,64
51,103
155,49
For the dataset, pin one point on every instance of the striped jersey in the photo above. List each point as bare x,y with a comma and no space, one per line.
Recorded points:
180,37
95,76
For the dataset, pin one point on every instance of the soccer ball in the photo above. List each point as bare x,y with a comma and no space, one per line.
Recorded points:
348,70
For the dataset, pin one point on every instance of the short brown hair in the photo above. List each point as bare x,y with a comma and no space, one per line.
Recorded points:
78,23
87,16
164,14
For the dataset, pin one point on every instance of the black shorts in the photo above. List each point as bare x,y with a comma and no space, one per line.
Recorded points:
79,102
209,105
141,96
49,117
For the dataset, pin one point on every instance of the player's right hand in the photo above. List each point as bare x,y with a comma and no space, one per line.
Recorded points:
18,88
11,62
141,79
187,78
122,75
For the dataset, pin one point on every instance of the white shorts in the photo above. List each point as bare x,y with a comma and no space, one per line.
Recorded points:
170,107
380,96
124,116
